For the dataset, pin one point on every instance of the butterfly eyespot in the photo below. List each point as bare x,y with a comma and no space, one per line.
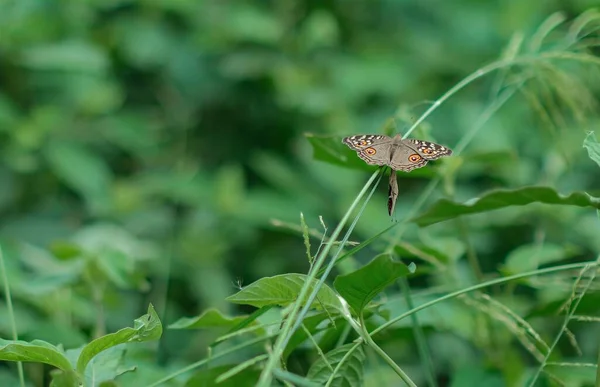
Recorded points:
427,151
370,151
362,142
414,158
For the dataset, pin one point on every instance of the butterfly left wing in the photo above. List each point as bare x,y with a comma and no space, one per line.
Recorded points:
374,149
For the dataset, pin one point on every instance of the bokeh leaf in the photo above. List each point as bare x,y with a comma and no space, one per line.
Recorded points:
445,209
349,374
146,328
361,286
282,290
82,170
530,257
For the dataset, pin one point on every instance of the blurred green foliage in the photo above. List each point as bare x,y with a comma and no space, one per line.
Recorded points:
154,151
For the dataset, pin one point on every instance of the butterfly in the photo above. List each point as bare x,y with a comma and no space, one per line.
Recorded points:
396,153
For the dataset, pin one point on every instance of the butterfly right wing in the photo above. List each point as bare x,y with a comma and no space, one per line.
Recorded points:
374,149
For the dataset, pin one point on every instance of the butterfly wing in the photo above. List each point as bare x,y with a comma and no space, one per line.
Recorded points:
427,150
374,149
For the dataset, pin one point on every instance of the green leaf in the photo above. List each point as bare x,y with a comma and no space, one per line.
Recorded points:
530,257
361,286
445,209
349,374
82,170
36,351
211,318
593,147
331,150
283,290
146,328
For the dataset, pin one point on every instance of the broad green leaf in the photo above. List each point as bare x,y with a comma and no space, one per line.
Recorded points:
593,147
445,209
203,378
360,287
283,290
210,318
146,328
36,351
349,374
331,150
530,257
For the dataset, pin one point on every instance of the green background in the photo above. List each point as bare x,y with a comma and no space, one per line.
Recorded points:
154,152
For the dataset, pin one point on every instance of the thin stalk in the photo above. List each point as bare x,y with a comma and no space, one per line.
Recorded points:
330,266
11,315
267,374
365,335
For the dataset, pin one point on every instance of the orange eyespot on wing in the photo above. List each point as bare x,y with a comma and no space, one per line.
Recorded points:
414,158
427,151
370,151
362,142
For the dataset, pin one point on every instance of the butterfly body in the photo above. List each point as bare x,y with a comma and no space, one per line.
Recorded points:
395,152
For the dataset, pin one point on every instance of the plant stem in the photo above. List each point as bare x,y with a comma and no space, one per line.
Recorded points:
11,314
366,337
